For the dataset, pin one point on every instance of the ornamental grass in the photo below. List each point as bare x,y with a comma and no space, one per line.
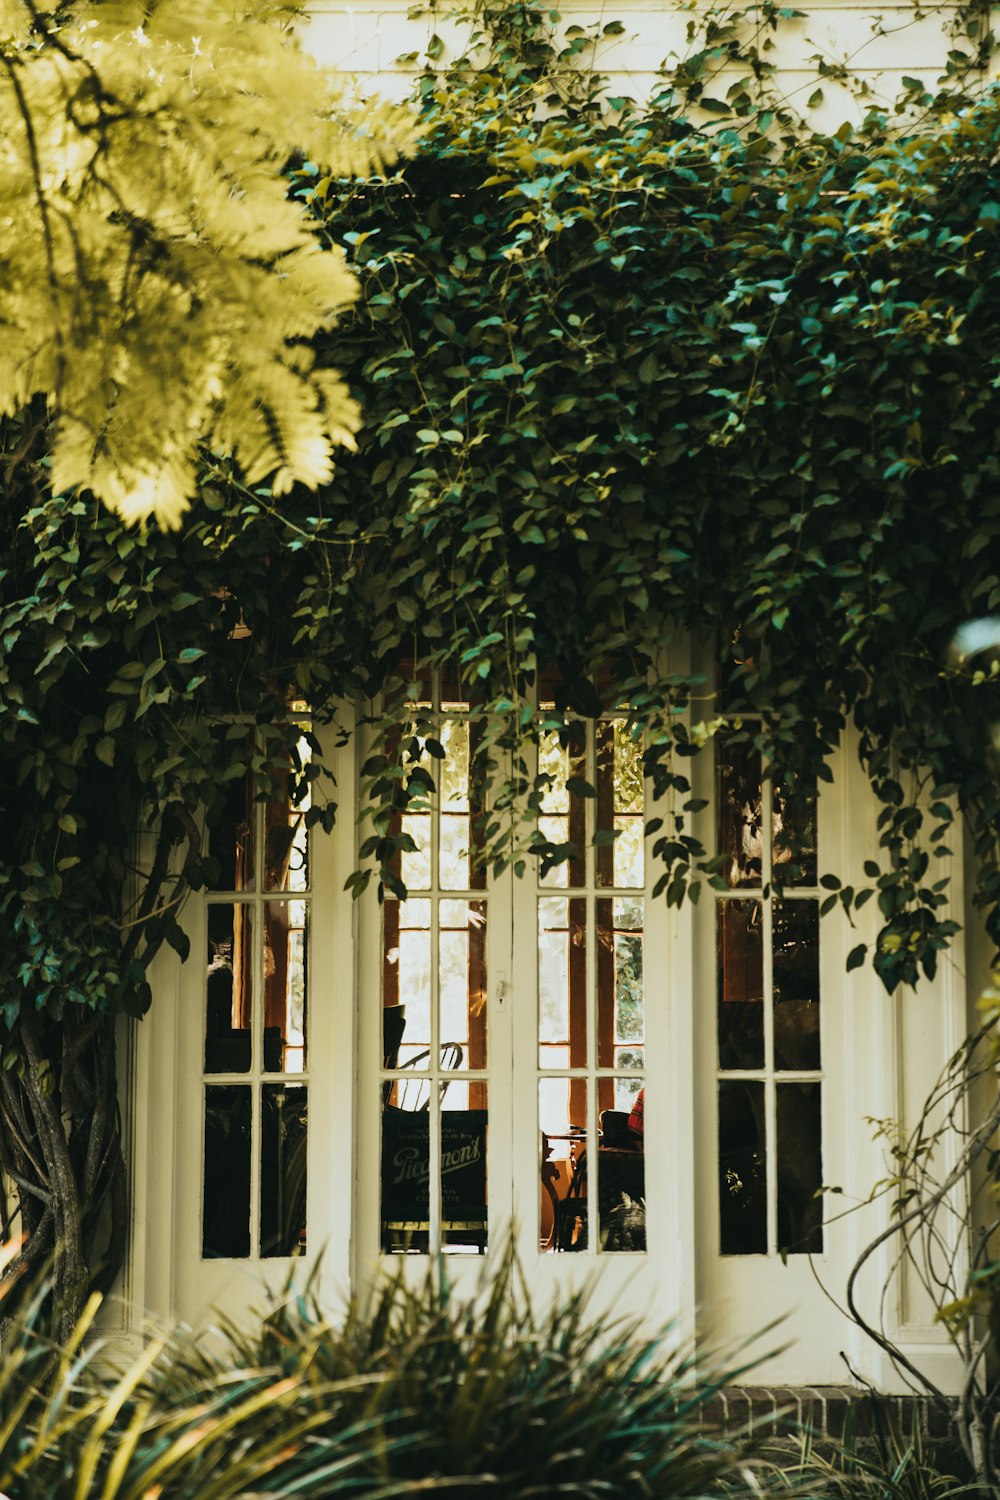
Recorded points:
414,1390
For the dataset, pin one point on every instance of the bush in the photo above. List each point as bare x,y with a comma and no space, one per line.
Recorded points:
415,1390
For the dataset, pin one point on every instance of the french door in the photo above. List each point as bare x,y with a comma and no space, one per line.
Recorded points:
650,1101
517,1047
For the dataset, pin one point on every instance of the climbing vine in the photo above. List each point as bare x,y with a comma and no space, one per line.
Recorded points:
633,378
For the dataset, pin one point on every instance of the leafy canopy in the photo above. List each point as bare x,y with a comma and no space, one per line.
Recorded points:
157,285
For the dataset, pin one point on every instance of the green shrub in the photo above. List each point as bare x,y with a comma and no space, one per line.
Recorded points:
896,1463
414,1390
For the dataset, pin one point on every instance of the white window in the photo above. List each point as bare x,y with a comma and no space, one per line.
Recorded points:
653,1100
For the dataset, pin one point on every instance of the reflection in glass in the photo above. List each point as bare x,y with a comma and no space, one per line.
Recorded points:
740,983
621,1178
455,806
619,805
230,838
628,851
286,839
739,811
620,1019
796,985
225,1231
453,852
464,1197
563,816
413,965
562,1110
285,986
800,1169
742,1168
228,988
415,864
405,1173
562,979
794,852
283,1169
462,978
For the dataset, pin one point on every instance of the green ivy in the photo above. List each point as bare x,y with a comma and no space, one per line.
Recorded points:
631,377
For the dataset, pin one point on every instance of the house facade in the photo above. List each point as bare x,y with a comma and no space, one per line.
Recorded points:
674,1107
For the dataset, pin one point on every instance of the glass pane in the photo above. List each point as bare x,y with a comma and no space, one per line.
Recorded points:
739,811
462,979
230,838
742,1169
562,1110
621,1177
794,821
225,1231
283,1169
285,986
800,1168
286,842
453,771
455,806
563,819
620,1018
414,970
740,983
619,804
415,864
404,1178
555,831
464,1216
552,764
796,985
229,988
629,868
453,852
562,977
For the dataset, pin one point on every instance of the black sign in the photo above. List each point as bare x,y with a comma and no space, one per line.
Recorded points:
406,1164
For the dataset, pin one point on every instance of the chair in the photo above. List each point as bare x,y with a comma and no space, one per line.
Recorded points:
414,1094
621,1192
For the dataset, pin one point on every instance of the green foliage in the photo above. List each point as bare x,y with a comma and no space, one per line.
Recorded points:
415,1389
632,379
896,1462
158,286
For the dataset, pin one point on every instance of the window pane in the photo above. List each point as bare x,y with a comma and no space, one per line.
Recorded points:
228,988
464,1215
794,855
620,1017
796,985
226,1201
562,976
619,804
453,852
230,838
286,840
404,1178
415,864
285,985
414,966
742,1169
800,1168
462,979
562,1109
283,1169
739,812
563,819
621,1178
740,984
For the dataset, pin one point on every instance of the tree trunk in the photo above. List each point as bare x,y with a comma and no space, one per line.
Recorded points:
60,1147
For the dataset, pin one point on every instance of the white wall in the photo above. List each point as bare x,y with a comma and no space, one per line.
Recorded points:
885,42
